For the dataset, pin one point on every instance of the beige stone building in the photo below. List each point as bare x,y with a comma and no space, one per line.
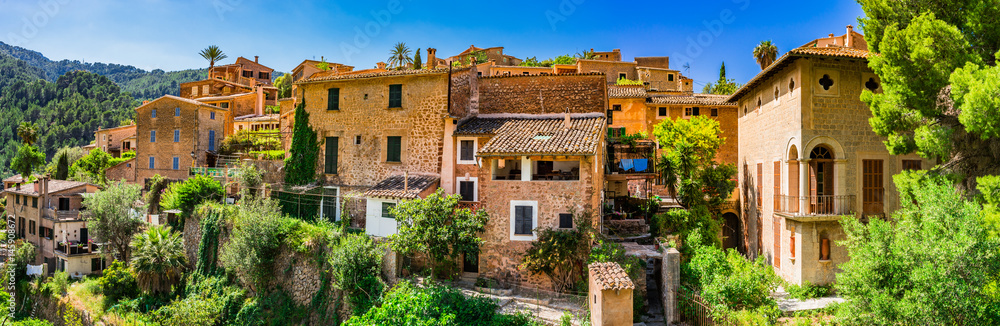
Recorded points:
175,134
46,213
808,157
494,54
115,141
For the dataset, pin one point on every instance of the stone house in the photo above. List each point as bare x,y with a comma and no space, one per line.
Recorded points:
46,213
244,72
115,141
174,134
808,157
494,54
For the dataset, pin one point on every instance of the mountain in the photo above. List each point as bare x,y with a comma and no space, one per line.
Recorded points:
142,84
67,110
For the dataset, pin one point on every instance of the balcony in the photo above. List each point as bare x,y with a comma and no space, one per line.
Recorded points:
75,248
61,215
814,207
631,158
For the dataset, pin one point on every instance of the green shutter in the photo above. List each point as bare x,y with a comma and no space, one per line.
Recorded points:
333,99
393,148
332,144
396,96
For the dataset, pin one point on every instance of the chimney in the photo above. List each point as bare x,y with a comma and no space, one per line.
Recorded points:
849,37
380,65
259,108
145,102
566,120
431,58
45,185
406,181
256,58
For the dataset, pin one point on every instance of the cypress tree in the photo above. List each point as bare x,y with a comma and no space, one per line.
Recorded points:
417,60
62,167
300,166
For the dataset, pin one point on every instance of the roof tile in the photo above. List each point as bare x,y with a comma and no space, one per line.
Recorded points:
395,187
611,276
542,135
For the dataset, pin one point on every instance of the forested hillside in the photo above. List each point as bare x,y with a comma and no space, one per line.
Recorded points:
140,83
67,111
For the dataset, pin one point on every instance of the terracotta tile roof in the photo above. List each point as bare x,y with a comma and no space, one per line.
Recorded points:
257,117
696,99
615,91
536,76
543,135
222,97
807,50
186,100
16,178
54,187
611,276
369,73
393,186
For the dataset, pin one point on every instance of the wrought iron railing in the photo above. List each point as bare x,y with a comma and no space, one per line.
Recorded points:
815,205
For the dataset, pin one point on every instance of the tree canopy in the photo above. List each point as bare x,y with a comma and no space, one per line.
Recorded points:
113,216
436,227
692,174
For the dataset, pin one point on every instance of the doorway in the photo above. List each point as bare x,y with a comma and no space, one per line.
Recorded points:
821,176
732,232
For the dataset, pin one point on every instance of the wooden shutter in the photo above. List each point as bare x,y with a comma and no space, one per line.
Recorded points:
467,189
332,148
393,148
333,99
396,96
871,188
565,221
793,187
911,165
467,153
522,220
777,186
812,187
777,240
760,185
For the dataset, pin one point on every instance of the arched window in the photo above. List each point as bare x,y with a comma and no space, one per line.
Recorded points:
821,179
821,152
791,84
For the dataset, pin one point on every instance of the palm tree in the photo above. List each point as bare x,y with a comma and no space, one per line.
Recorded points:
28,132
158,259
213,54
765,53
400,56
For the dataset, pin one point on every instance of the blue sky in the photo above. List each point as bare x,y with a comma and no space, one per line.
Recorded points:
158,34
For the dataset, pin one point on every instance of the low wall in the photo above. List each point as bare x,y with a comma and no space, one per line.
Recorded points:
671,281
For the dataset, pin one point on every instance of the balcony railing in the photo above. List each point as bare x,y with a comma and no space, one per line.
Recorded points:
76,248
634,158
815,205
61,215
214,172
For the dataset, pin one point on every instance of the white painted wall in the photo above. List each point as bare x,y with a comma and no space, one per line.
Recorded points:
375,224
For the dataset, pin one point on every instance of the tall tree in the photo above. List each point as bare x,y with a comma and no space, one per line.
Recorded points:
938,71
399,56
28,132
114,216
300,166
437,227
213,54
28,157
765,53
417,60
158,259
692,174
723,86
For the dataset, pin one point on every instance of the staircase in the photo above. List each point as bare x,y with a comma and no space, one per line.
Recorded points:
666,202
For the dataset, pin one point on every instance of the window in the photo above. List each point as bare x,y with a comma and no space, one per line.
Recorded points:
34,202
393,148
211,140
176,164
565,221
224,105
152,162
248,74
616,107
64,204
466,151
622,75
357,140
152,136
523,219
95,264
611,117
211,115
177,111
555,170
104,137
387,210
332,148
760,185
715,112
777,187
152,114
871,84
177,135
826,82
526,73
396,96
264,75
467,189
333,99
911,165
695,111
31,227
17,199
662,111
479,74
872,191
670,77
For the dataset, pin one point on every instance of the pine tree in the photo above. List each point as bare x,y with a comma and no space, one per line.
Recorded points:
300,166
417,60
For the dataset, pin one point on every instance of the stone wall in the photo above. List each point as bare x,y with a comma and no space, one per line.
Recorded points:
464,100
122,171
578,93
611,69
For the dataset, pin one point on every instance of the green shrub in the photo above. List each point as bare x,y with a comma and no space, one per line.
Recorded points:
808,291
193,310
56,285
258,230
275,155
32,322
682,222
185,196
118,282
407,304
356,265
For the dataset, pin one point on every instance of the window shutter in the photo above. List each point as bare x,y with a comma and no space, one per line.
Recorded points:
467,150
333,99
565,221
393,147
332,147
396,96
468,190
387,210
211,140
522,220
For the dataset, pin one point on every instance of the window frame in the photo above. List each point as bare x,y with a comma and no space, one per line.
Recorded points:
534,220
458,150
152,163
333,102
152,136
475,187
389,148
177,135
662,111
326,155
399,94
176,163
563,215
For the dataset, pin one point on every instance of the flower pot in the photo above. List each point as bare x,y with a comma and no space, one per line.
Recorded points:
824,249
